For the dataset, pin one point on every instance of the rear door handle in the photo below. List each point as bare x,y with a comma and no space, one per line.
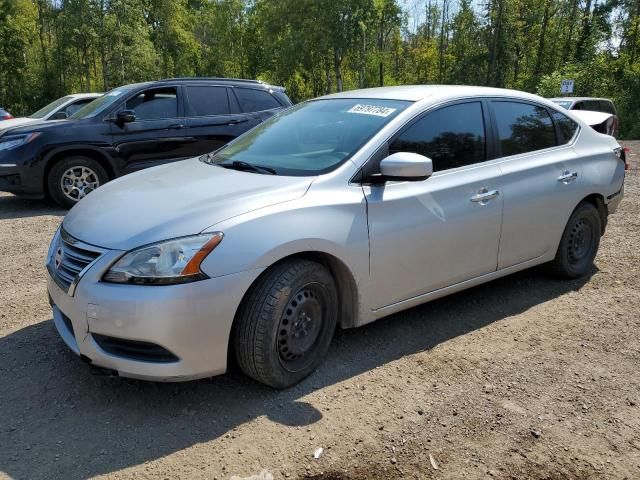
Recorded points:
175,126
567,177
484,195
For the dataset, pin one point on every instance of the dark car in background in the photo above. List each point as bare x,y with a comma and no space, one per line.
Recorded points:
130,128
4,115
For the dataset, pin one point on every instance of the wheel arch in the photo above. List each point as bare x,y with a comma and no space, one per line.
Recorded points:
597,200
82,150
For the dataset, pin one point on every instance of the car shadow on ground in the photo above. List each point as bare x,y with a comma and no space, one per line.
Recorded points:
60,419
18,207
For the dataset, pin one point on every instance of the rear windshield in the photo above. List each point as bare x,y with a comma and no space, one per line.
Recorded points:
563,103
311,138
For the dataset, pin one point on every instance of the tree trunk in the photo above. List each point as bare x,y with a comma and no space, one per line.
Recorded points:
337,66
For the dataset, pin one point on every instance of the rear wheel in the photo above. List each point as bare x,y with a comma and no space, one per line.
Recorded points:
286,323
73,178
580,242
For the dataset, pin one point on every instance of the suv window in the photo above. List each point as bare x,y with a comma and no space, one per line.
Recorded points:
567,127
205,100
451,137
154,104
607,107
523,127
75,106
252,100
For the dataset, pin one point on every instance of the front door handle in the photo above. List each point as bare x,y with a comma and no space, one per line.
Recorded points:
567,177
235,122
484,195
175,126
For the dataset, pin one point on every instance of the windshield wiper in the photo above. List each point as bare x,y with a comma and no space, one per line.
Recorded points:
248,167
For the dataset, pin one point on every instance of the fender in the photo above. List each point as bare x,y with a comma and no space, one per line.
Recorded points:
98,152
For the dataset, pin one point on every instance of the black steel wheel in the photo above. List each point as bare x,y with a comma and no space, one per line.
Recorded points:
580,242
286,322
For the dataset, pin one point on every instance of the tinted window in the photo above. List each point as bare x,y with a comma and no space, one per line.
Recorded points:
523,127
202,101
593,105
578,106
451,137
154,104
255,100
607,107
566,126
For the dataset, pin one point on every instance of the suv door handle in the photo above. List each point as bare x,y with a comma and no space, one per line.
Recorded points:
235,122
567,177
175,126
484,195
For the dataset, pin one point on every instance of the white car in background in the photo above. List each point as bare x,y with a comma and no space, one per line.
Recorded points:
599,113
59,109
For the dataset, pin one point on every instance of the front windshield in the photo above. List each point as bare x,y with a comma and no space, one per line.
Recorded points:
311,138
563,103
100,104
45,111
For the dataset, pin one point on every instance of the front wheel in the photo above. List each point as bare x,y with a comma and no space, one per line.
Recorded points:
73,178
580,242
286,323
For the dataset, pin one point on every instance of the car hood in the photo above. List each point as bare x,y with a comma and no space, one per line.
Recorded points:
29,125
15,122
174,200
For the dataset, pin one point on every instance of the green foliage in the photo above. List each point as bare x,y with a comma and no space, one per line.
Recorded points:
49,48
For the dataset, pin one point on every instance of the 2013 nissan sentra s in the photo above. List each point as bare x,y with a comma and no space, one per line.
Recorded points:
334,213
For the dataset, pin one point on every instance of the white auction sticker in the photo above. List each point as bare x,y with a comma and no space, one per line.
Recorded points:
371,110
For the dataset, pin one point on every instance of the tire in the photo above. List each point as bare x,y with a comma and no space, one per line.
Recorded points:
580,242
88,175
286,323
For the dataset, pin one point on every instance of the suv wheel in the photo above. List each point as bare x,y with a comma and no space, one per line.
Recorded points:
286,323
73,178
580,242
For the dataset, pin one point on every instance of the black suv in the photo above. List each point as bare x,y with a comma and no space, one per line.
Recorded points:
131,128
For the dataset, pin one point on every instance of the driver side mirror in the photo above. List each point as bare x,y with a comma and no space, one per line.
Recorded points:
126,116
61,115
406,166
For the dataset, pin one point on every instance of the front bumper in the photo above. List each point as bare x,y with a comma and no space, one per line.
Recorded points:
192,321
21,180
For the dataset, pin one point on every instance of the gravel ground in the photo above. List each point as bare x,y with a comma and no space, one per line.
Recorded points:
526,377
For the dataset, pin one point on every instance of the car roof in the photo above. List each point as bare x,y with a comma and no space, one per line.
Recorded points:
219,80
85,95
577,99
415,93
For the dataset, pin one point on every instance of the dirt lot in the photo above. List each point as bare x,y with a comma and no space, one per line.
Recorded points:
525,377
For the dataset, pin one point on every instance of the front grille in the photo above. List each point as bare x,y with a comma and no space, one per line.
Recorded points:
69,259
134,349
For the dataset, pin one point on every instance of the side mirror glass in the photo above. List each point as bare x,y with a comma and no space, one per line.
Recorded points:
406,166
61,115
126,116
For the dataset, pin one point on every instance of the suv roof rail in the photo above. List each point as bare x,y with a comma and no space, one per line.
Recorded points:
240,80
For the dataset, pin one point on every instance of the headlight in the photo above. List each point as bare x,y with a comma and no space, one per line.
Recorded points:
14,141
165,263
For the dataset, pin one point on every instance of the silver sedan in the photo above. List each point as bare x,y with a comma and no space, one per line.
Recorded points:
337,212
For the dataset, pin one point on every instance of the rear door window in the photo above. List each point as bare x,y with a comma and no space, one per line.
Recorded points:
252,100
451,137
523,127
205,100
155,104
566,126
